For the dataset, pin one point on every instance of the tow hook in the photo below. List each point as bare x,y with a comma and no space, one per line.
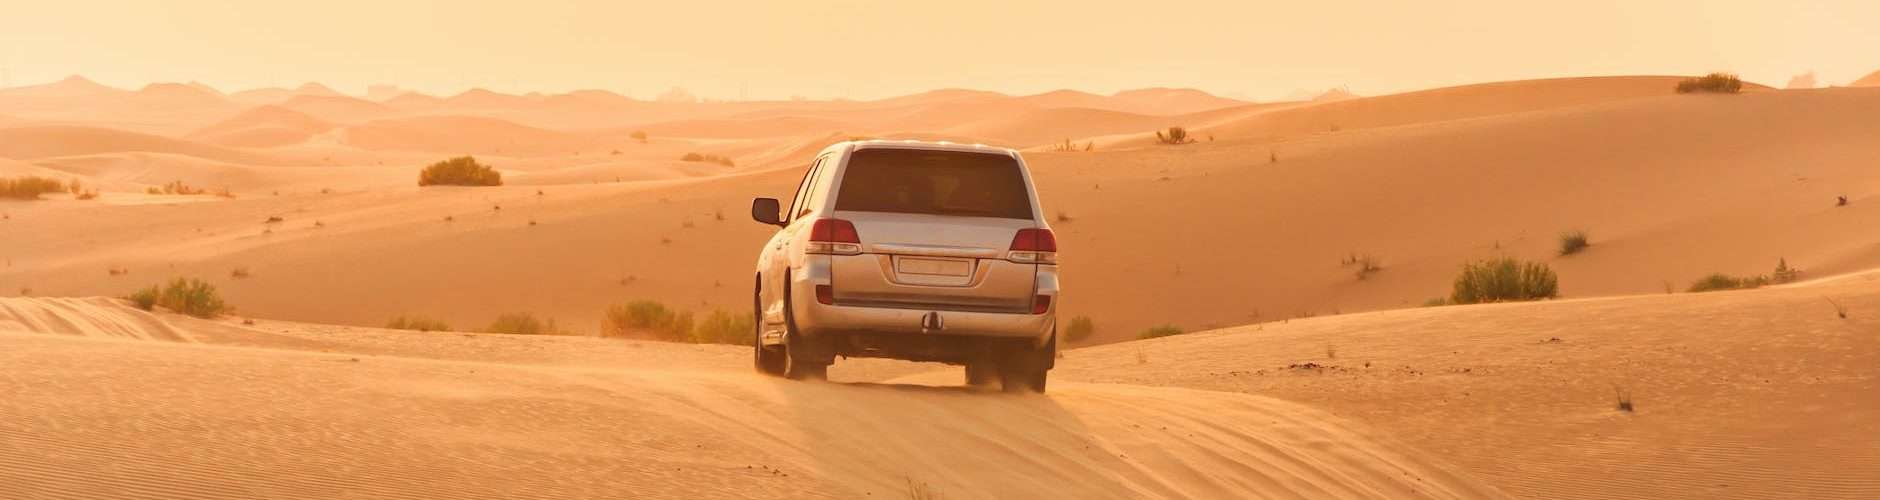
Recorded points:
931,322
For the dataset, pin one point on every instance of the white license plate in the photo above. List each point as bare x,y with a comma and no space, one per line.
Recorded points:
934,267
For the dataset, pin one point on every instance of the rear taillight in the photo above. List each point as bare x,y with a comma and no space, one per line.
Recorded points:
833,237
1041,304
1034,246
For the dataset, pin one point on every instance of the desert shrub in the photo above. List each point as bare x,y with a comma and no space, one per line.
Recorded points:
460,171
185,296
1079,329
1175,135
29,188
176,187
145,299
1436,302
646,319
1572,242
708,158
1503,279
1367,266
721,327
523,324
639,135
1721,83
418,323
1784,273
1720,281
1070,147
1160,331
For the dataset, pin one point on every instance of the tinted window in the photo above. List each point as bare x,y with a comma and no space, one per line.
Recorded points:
802,190
952,183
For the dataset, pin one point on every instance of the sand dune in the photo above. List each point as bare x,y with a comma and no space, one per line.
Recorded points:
1871,80
410,427
52,141
263,127
1050,126
1682,186
1166,101
337,108
464,134
85,317
1450,103
1753,394
275,95
486,99
68,88
745,128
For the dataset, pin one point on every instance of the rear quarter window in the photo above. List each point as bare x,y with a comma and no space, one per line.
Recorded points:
951,183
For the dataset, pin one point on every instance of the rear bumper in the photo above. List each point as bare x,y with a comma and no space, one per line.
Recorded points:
815,319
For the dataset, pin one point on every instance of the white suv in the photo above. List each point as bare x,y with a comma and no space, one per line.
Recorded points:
910,250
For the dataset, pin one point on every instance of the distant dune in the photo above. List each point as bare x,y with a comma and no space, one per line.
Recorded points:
741,128
1437,105
1029,128
463,134
1871,80
1165,101
263,127
275,95
49,141
486,99
337,108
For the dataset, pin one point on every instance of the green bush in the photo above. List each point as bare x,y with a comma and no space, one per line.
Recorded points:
1572,242
1720,281
185,296
721,327
1720,83
1160,331
29,188
646,319
417,323
1079,329
1503,279
523,324
460,171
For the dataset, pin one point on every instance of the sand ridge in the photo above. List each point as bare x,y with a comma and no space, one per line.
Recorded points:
217,421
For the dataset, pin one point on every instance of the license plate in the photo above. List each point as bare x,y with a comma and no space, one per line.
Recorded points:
934,267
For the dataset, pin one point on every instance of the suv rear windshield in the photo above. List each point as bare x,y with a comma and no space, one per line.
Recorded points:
912,181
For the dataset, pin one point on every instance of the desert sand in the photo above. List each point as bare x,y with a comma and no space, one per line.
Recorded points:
197,409
1246,233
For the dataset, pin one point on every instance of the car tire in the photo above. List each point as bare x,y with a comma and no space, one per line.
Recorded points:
1027,370
981,373
794,366
769,360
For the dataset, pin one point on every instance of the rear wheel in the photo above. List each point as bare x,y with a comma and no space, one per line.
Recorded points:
798,369
1026,370
981,373
795,367
769,360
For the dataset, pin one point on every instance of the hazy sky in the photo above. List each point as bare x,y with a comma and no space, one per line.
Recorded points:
825,48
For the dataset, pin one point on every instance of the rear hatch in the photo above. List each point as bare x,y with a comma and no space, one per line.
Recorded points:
935,230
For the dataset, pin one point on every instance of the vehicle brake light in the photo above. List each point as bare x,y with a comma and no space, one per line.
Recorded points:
1034,246
1041,304
834,237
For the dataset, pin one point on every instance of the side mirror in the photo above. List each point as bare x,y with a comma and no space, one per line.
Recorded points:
765,210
